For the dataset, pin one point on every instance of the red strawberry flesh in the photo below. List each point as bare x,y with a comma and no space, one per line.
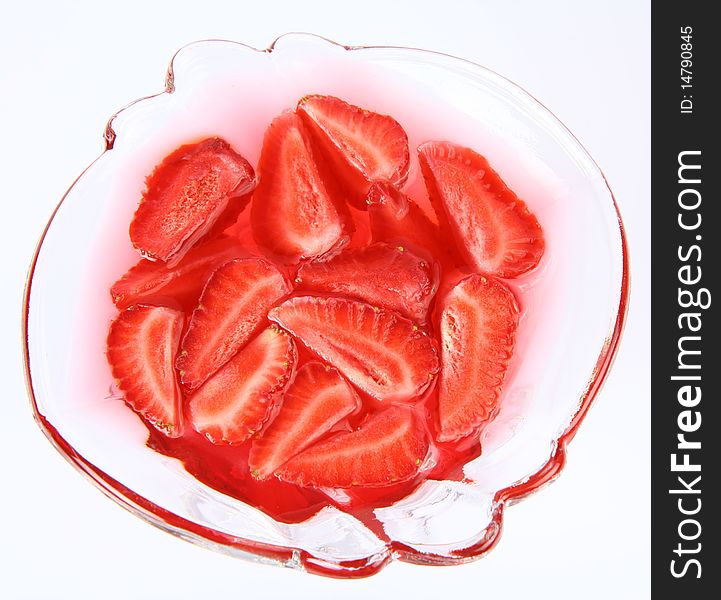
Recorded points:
396,219
384,354
317,399
185,196
234,403
293,217
232,307
382,275
183,282
478,322
142,343
389,447
493,229
361,145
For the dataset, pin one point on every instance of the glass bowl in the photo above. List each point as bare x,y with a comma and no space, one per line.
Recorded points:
573,313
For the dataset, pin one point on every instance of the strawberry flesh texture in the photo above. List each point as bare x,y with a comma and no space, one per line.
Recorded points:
234,403
382,275
384,354
182,283
293,217
186,195
388,448
360,146
493,230
317,400
232,307
142,343
396,219
478,322
229,217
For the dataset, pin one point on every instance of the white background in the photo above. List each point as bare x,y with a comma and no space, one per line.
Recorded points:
67,66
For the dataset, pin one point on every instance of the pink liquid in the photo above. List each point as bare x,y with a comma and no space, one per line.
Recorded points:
263,96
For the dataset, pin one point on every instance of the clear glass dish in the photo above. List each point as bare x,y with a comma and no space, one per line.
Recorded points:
574,303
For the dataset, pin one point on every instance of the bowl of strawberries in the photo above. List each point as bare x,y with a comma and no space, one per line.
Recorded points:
326,307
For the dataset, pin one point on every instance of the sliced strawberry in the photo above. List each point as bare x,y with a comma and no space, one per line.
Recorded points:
292,214
317,399
382,275
396,219
493,229
361,145
229,216
186,194
478,322
383,353
232,308
234,403
142,343
183,282
389,447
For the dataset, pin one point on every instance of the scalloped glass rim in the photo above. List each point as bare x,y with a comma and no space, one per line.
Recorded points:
295,557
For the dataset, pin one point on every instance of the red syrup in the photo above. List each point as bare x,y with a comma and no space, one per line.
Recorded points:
225,469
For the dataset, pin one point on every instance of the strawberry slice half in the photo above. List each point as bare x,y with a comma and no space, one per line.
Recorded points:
317,399
389,447
494,230
362,146
183,282
233,404
396,219
232,308
292,215
142,343
386,355
380,274
185,195
478,322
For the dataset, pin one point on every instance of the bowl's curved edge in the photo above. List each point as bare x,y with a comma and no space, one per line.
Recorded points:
294,557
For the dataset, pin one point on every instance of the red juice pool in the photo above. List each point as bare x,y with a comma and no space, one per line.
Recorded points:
240,117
